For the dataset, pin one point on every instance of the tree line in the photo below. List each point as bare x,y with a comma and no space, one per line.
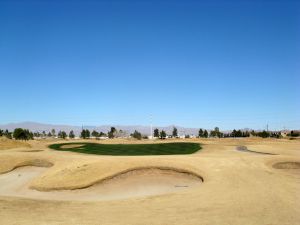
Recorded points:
25,134
18,134
6,134
161,134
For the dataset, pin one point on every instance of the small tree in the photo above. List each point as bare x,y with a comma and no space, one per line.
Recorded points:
28,134
264,134
101,134
233,133
113,130
220,135
175,132
156,133
87,134
1,132
201,133
36,134
71,134
21,134
8,134
95,134
216,133
239,133
63,134
49,134
205,134
111,133
53,132
162,134
137,135
83,134
217,130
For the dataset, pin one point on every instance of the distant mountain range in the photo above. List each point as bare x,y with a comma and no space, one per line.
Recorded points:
40,127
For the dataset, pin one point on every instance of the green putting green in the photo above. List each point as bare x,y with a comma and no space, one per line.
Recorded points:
129,149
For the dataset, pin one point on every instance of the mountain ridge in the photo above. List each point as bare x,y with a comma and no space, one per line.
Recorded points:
40,127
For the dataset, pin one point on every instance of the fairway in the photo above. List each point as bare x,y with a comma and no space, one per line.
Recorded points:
129,149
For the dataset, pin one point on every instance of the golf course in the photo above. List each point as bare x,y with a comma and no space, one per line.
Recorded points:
209,180
150,112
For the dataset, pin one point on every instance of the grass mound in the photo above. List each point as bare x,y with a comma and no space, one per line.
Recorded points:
6,143
129,149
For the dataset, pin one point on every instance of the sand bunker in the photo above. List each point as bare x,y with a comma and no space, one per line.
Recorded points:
32,151
287,165
71,146
135,183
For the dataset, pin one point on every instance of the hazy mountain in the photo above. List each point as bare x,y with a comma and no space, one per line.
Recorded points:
40,127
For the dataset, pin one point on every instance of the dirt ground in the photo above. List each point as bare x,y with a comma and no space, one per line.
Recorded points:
239,187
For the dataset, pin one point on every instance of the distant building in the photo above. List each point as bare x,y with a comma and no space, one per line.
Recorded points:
285,133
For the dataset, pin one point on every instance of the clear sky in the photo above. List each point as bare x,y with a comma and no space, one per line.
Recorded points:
189,63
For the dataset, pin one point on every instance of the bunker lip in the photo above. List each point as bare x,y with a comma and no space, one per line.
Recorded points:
162,169
31,151
29,163
111,177
245,149
134,183
287,165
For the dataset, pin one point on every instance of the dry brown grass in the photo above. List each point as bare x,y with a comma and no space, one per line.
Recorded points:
6,143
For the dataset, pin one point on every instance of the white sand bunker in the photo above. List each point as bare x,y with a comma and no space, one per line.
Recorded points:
135,183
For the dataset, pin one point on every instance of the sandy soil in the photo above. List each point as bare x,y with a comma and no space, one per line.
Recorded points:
239,187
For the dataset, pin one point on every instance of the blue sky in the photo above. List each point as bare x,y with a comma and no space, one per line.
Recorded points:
189,63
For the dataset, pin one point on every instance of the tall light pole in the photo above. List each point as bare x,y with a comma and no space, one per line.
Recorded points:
151,128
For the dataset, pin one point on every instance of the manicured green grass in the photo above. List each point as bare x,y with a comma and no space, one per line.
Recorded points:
130,149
